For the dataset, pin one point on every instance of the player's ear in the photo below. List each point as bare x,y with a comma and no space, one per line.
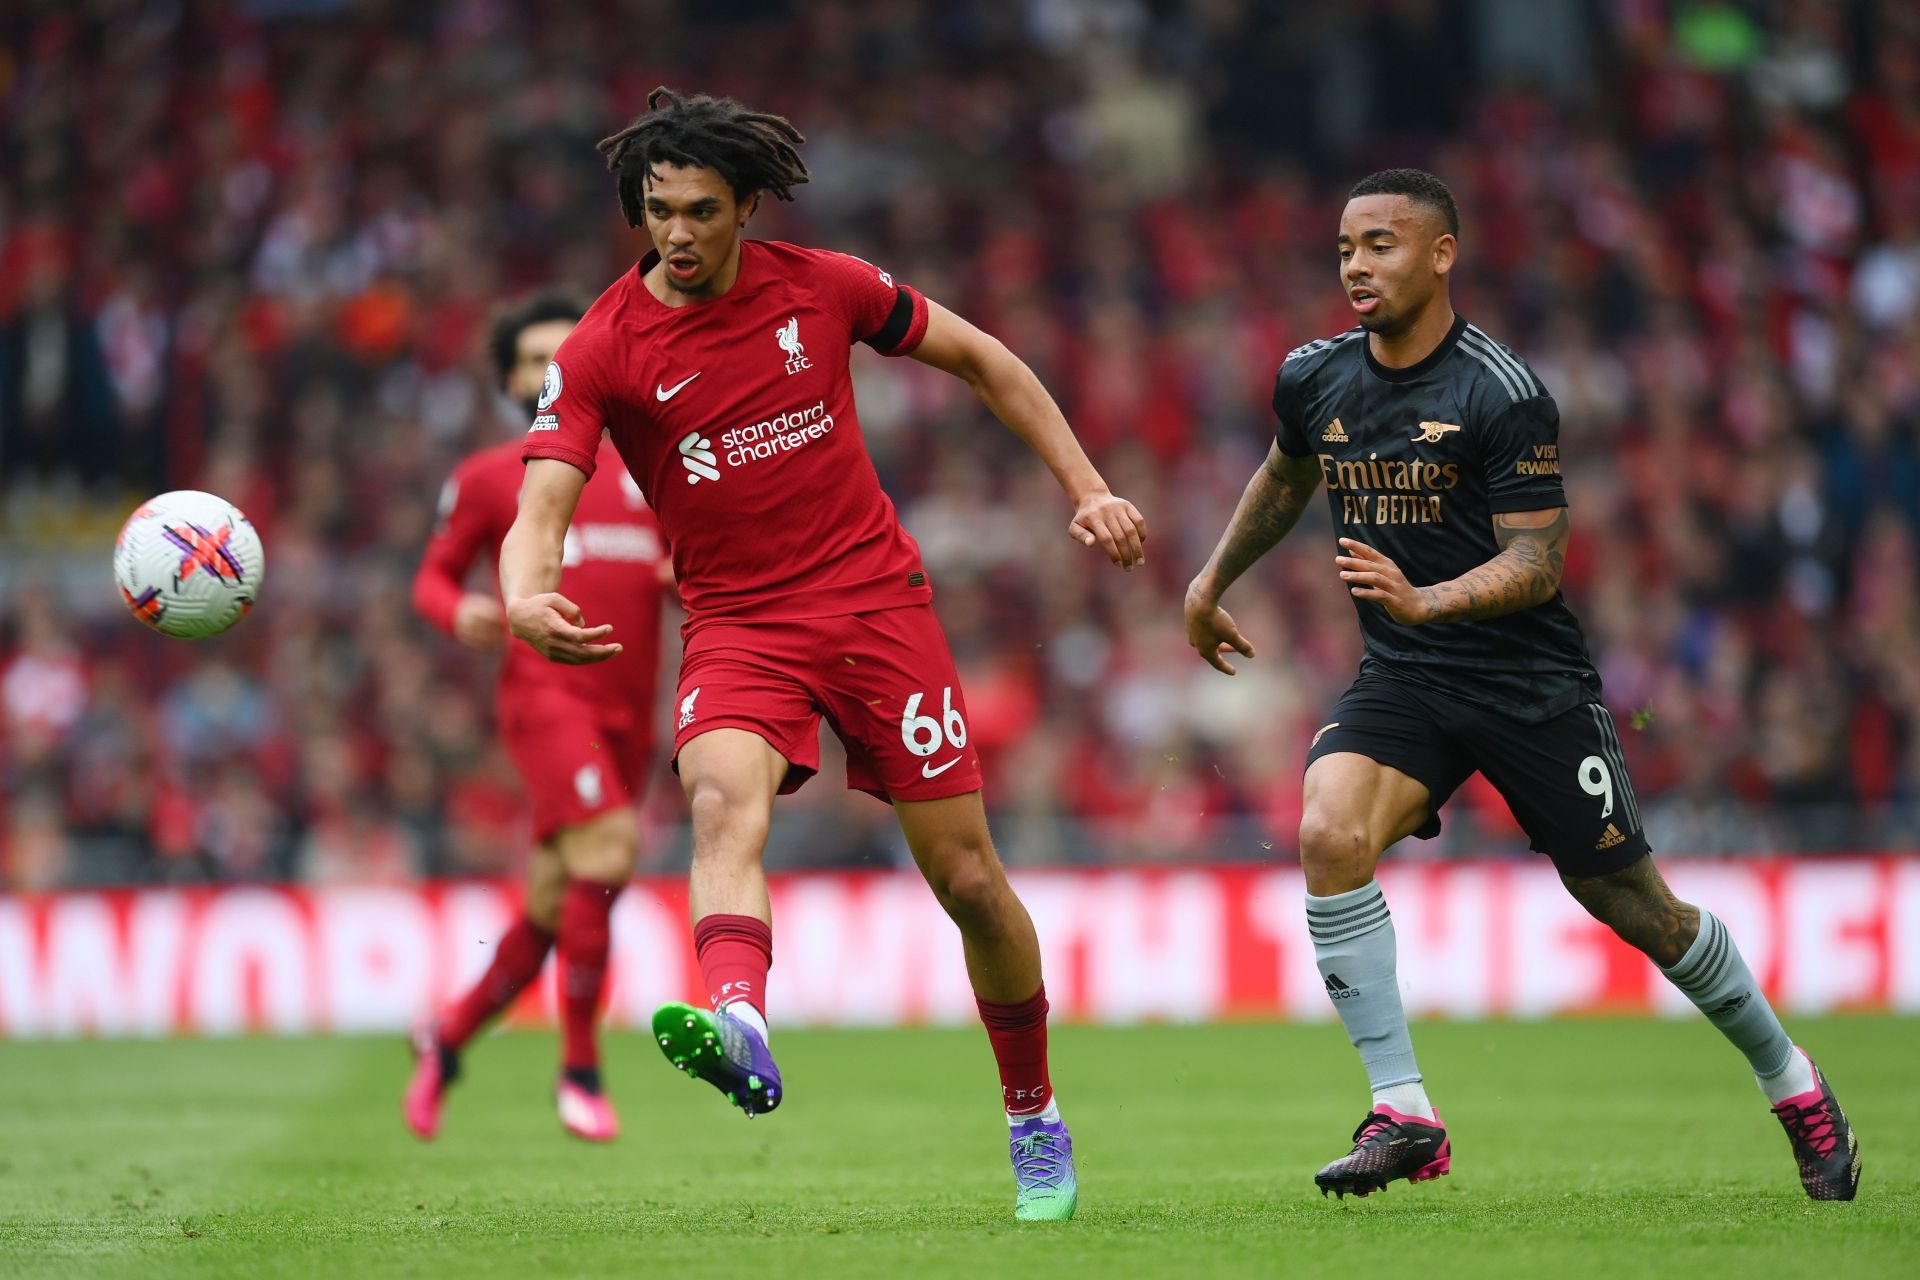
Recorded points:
751,207
1445,250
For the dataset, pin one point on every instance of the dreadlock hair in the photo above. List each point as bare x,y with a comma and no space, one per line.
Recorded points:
503,338
1416,185
751,150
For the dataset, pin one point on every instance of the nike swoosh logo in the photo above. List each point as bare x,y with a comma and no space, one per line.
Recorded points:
664,394
928,771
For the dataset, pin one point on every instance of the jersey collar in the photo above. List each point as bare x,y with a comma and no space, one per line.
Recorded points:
1431,359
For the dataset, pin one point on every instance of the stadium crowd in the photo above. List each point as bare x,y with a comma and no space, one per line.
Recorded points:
252,248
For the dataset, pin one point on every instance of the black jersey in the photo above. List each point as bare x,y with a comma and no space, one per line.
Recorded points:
1416,463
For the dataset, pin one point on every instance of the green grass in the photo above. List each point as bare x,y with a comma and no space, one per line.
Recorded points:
1609,1148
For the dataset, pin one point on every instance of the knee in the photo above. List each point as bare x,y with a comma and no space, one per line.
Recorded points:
542,905
713,806
606,858
706,804
1336,853
1643,912
546,887
969,883
1663,935
726,821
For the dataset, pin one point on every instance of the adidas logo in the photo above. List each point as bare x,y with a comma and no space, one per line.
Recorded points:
1609,838
1339,990
1334,434
1733,1004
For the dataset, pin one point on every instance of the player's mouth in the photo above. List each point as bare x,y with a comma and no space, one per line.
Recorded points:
1364,300
683,266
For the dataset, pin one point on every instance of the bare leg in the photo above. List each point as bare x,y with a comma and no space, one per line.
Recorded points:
730,777
1636,903
955,853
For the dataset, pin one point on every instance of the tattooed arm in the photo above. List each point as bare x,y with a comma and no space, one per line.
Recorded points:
1533,551
1271,505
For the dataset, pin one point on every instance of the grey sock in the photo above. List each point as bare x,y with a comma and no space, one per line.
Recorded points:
1354,945
1717,980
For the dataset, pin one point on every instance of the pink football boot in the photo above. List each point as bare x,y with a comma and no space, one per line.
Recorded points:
434,1068
586,1113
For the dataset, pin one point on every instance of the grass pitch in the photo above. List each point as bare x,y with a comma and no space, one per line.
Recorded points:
1589,1148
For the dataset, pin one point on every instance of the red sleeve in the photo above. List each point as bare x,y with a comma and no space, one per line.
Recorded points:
572,409
887,316
457,537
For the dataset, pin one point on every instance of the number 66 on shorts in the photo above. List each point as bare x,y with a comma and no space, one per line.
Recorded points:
885,682
924,735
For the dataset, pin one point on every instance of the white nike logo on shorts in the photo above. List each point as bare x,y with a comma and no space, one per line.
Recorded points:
665,393
928,771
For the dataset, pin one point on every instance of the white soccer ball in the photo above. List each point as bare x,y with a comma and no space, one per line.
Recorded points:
189,564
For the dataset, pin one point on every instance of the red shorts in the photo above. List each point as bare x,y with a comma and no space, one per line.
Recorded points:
885,681
577,760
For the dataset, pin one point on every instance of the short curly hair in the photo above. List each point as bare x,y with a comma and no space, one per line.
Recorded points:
503,336
751,150
1416,185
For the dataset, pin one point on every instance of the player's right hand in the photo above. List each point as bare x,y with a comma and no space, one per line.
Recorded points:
552,624
479,622
1211,631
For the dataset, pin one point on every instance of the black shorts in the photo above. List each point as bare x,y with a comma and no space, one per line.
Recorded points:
1565,778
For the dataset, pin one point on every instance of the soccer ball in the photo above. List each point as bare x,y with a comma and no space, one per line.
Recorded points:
189,564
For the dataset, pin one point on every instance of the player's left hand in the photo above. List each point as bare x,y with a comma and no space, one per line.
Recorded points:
1114,525
1370,575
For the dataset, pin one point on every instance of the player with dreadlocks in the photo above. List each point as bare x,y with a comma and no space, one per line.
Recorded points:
719,367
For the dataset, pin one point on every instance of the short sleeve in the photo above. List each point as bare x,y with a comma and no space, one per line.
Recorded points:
887,316
1521,451
1290,436
572,409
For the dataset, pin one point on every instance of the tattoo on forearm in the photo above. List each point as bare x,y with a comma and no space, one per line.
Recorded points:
1271,505
1637,904
1524,574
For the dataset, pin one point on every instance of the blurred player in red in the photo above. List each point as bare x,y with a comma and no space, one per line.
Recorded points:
719,367
581,737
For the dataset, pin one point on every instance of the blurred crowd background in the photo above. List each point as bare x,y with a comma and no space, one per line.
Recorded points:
252,247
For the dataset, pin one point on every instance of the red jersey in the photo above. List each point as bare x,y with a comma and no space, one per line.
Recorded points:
737,418
611,569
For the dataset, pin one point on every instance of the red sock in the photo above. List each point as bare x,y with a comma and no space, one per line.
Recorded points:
586,934
735,953
516,962
1019,1035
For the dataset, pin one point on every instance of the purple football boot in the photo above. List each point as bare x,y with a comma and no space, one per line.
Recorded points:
1046,1187
722,1050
